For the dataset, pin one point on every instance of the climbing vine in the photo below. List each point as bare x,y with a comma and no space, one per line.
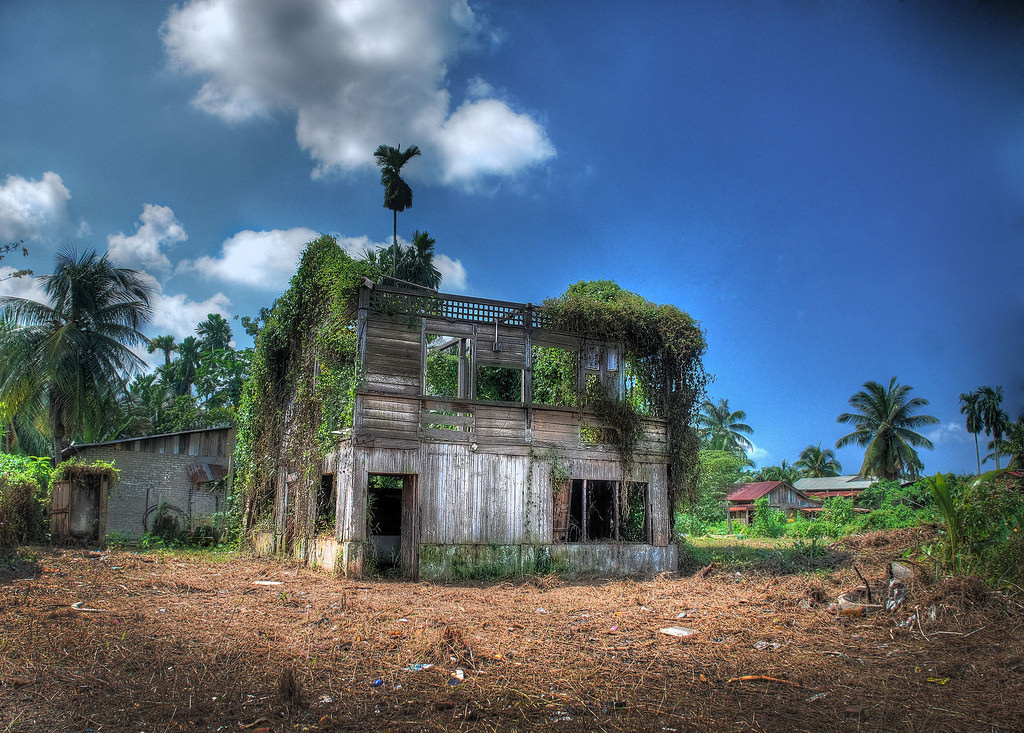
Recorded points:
662,347
302,384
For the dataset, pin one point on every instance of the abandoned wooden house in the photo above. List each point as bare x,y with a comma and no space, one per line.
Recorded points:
780,495
473,452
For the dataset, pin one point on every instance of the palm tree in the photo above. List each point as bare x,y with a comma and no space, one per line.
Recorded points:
970,405
721,428
885,421
992,416
180,374
165,344
413,264
214,333
397,193
1014,445
817,463
783,472
77,347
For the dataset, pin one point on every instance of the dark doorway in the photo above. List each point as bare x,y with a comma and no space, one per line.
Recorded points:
393,523
326,504
605,510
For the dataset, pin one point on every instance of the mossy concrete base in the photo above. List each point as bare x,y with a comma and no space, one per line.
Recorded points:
488,562
484,562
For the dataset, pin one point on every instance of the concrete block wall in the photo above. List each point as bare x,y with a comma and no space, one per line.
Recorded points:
146,480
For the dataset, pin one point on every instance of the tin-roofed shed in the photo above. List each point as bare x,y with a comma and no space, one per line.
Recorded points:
780,495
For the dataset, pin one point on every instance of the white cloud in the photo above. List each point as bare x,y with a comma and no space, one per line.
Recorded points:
355,74
485,137
758,454
946,433
264,260
20,287
157,227
178,315
452,272
33,210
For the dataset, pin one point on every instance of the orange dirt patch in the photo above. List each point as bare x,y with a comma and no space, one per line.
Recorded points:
128,642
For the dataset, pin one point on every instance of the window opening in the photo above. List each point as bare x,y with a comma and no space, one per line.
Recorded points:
555,378
442,377
499,384
595,511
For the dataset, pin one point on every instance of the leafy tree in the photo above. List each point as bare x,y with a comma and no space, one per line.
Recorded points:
214,333
817,463
992,416
719,471
180,374
783,472
721,428
885,421
165,344
970,405
76,349
397,193
1014,444
414,263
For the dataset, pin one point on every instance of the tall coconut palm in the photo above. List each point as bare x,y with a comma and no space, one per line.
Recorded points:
180,374
214,333
885,420
165,344
970,405
78,345
414,264
397,193
993,418
817,463
721,428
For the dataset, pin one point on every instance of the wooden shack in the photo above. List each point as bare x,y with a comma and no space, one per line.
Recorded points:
781,496
457,466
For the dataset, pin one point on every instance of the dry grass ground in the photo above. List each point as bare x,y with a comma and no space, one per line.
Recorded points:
186,642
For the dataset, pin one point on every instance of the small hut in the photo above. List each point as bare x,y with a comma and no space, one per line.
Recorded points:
781,496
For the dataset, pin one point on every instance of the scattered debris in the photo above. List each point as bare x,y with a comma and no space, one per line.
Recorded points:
766,645
747,677
680,631
79,607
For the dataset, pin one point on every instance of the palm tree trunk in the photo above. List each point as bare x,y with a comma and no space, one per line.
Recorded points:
394,243
977,452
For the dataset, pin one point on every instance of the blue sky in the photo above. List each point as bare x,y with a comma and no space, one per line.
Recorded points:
834,190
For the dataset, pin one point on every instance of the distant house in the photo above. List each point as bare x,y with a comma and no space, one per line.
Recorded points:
833,486
780,495
184,472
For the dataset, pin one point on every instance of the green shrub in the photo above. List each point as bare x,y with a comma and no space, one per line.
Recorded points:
24,499
768,521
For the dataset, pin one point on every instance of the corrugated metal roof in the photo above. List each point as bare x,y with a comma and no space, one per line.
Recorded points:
749,492
203,473
834,483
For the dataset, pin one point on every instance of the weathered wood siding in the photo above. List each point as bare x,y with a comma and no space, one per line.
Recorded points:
392,359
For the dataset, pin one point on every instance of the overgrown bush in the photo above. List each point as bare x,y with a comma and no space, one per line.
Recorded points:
24,499
768,521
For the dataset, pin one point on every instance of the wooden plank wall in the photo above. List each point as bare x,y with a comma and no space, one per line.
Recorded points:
392,360
478,497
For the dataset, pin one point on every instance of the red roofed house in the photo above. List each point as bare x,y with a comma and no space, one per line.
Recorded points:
780,495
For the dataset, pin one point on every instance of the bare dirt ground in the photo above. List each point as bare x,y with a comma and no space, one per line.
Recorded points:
169,642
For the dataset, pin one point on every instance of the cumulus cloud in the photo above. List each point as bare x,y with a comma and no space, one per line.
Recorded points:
157,227
758,454
946,433
452,272
33,210
354,74
264,260
20,287
178,314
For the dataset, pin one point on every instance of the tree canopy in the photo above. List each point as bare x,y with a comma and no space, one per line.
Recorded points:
885,421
